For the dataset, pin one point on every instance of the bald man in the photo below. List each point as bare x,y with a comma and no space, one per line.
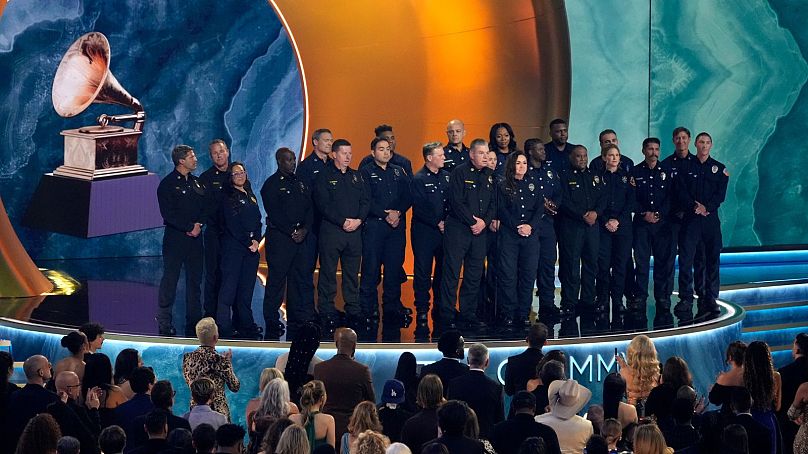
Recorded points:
456,151
81,422
26,403
347,381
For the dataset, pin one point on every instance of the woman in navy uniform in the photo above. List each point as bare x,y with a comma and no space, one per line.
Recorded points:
520,209
615,232
242,221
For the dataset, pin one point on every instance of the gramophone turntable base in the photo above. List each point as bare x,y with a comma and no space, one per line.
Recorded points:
89,209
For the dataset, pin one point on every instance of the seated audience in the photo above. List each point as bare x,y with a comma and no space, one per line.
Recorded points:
206,362
179,441
29,401
141,380
552,355
156,427
274,405
201,413
481,393
452,417
681,434
423,426
551,371
759,435
567,398
319,426
162,396
267,374
74,419
472,430
293,441
614,391
39,436
612,432
95,336
407,374
508,435
364,417
230,439
6,387
675,374
649,440
204,438
370,442
68,445
392,413
735,440
273,434
76,343
720,393
451,345
98,374
532,445
112,440
125,363
640,369
595,415
522,367
596,445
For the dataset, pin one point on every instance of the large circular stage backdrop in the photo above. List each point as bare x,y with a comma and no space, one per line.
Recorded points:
264,75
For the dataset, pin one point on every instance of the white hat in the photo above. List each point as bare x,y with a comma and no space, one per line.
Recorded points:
567,398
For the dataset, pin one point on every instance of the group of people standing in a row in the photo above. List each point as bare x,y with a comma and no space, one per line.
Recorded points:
500,214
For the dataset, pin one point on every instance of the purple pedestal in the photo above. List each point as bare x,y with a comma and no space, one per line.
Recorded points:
94,208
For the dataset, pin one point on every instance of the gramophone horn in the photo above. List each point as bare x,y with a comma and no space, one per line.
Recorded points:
84,78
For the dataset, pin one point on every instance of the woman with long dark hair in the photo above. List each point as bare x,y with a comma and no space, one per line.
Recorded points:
6,387
407,373
614,391
239,263
520,207
675,374
763,383
501,140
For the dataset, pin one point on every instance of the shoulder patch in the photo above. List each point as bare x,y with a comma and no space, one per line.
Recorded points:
726,172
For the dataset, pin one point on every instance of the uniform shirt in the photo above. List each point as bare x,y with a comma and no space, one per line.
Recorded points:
619,195
430,196
598,165
389,189
287,202
583,191
242,217
339,195
522,204
548,181
702,182
309,168
182,201
471,193
455,157
557,159
499,169
674,163
396,159
215,181
652,189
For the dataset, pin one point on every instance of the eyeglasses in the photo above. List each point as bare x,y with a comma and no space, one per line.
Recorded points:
73,386
241,173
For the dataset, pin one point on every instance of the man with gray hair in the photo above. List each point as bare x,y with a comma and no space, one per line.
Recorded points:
481,393
28,402
68,445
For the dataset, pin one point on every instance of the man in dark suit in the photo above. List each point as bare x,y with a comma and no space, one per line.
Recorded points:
80,422
522,367
451,344
141,381
162,396
452,419
757,434
347,381
28,402
481,393
792,375
157,429
509,435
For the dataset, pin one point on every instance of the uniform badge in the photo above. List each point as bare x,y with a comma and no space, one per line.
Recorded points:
597,179
253,199
302,186
243,202
550,174
715,169
447,178
625,179
632,182
662,175
355,180
490,179
531,186
395,171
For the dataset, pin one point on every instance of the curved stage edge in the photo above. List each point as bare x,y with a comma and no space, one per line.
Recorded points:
590,358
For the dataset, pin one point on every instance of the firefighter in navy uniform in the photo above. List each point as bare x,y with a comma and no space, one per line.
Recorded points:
181,198
290,213
578,242
386,132
242,233
214,179
455,152
652,232
471,209
550,191
615,232
430,195
520,207
384,234
558,149
703,189
341,196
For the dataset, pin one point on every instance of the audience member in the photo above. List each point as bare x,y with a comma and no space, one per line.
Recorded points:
76,420
435,448
273,434
370,442
253,404
451,345
675,374
204,438
112,440
640,369
364,417
452,417
551,371
423,426
201,413
39,436
760,438
532,445
567,398
681,434
162,396
320,429
98,374
595,415
552,355
398,448
76,343
733,378
298,364
407,374
230,440
614,390
206,362
348,381
596,445
95,336
292,441
792,376
179,441
472,430
735,440
392,413
26,403
798,413
522,367
156,427
508,436
68,445
481,393
125,363
763,383
649,440
612,432
141,380
274,403
6,387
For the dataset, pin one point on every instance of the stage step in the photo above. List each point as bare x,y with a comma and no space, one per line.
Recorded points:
793,294
773,314
774,335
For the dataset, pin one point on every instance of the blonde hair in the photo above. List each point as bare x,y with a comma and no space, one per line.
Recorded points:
364,417
641,357
370,442
648,439
430,392
293,441
312,393
611,430
206,330
268,374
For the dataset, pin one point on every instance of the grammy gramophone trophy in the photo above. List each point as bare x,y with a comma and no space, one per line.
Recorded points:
100,189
